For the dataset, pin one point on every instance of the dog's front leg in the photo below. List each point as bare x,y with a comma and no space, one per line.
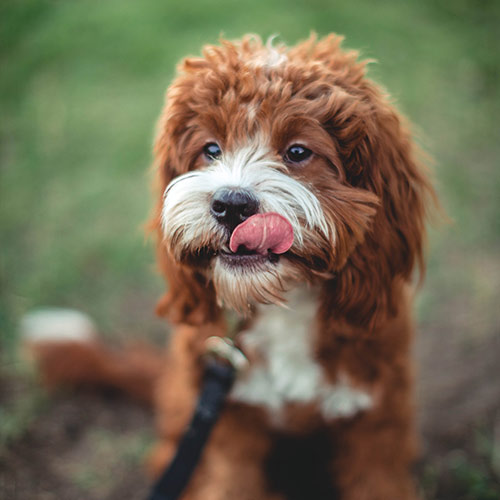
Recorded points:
232,464
374,454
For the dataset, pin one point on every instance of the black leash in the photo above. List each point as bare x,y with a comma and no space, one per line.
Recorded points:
220,372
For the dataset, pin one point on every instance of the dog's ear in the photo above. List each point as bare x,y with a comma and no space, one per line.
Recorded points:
190,298
383,161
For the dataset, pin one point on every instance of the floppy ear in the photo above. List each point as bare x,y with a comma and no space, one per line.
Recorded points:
190,297
382,160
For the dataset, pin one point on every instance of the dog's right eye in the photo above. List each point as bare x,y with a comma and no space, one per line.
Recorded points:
212,151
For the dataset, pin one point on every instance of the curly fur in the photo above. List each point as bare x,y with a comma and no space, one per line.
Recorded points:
326,408
365,194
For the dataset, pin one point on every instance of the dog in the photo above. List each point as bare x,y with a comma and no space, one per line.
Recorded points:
291,212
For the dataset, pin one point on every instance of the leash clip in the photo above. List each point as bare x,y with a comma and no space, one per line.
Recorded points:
223,348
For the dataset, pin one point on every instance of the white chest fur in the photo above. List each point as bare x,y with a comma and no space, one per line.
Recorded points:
287,371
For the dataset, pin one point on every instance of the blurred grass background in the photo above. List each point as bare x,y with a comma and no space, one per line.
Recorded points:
82,83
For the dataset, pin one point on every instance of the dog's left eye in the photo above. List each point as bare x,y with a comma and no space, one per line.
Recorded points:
212,151
297,154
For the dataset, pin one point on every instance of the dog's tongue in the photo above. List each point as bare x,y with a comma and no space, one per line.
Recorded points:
263,233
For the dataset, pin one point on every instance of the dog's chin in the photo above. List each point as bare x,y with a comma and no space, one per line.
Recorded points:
242,281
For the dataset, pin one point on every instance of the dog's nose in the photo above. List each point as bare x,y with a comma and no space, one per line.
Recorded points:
231,206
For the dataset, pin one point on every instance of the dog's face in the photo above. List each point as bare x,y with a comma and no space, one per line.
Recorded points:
251,129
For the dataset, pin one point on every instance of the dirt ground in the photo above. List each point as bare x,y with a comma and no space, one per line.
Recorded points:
458,394
84,446
88,446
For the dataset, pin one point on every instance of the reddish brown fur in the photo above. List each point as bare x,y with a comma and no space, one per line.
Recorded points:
370,184
91,365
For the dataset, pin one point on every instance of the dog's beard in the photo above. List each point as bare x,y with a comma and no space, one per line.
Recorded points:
242,287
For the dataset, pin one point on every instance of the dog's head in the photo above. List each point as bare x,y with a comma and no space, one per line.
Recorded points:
279,165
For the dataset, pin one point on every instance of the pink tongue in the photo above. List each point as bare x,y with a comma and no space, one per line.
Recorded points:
262,233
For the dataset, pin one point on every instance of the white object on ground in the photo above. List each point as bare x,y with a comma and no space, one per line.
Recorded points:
55,325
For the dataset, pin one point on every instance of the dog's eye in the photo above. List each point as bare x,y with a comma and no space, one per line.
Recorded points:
212,151
297,154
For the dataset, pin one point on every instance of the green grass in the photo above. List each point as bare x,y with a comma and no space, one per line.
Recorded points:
470,474
81,85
